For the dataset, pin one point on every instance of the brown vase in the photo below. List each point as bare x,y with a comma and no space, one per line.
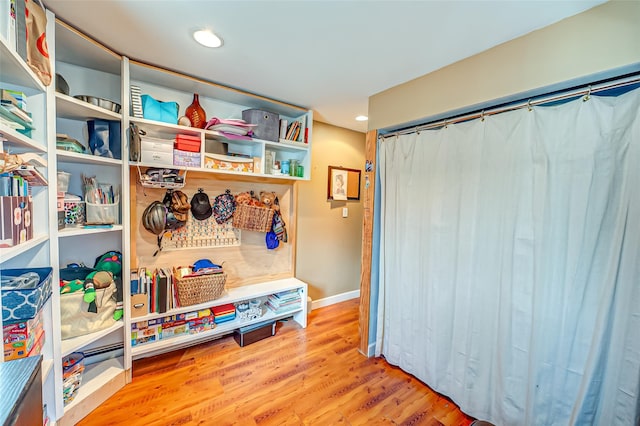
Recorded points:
196,114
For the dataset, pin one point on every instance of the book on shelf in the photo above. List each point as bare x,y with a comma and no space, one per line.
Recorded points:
32,175
292,129
24,115
11,124
163,291
283,128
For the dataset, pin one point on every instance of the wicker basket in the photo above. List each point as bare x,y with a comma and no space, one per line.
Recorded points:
199,289
253,218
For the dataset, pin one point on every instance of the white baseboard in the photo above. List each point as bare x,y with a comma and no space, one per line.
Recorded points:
371,349
335,299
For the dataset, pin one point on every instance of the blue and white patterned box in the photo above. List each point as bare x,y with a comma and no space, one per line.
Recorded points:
23,304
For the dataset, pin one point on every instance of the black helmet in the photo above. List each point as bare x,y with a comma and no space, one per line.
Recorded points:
154,218
201,206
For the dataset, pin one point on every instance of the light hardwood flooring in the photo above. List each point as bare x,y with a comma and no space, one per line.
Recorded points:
312,376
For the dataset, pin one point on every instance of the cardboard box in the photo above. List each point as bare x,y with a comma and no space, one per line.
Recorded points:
186,158
139,307
23,330
22,349
228,162
253,333
16,225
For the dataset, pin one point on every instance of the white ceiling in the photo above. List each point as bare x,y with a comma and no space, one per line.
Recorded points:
329,56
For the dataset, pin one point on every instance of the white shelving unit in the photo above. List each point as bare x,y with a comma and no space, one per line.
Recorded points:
221,102
95,72
232,295
15,74
91,69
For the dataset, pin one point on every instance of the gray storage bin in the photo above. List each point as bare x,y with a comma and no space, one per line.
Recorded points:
216,147
268,128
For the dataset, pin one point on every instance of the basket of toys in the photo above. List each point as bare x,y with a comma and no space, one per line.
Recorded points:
194,288
72,369
253,218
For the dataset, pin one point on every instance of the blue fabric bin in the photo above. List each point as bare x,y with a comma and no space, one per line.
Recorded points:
21,304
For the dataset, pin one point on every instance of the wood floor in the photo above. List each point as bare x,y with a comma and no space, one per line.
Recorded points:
312,376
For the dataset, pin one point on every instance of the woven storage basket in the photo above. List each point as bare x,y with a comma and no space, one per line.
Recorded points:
199,289
253,218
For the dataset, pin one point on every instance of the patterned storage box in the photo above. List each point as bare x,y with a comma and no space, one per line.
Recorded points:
74,212
20,304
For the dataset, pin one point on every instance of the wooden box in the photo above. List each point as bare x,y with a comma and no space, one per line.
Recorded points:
253,333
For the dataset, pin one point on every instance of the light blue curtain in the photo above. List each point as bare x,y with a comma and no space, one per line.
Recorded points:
510,263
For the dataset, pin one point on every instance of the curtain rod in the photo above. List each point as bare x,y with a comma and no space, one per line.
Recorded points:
586,91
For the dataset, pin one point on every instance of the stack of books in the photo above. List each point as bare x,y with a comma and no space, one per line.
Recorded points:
13,112
224,313
284,301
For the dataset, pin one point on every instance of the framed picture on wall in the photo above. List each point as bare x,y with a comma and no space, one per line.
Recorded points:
344,184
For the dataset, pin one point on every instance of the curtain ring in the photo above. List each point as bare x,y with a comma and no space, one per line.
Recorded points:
529,105
445,123
588,95
482,116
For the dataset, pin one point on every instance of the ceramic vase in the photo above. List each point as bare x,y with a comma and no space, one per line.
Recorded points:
196,114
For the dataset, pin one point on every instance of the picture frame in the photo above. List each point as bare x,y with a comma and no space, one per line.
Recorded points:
343,184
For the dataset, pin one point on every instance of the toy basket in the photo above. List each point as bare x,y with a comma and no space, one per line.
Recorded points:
200,288
72,369
253,218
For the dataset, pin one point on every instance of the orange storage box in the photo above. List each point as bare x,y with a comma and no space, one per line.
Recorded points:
188,143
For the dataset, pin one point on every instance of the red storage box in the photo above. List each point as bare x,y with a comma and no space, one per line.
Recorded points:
188,143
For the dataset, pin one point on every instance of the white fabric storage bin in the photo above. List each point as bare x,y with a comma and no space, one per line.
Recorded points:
102,213
158,157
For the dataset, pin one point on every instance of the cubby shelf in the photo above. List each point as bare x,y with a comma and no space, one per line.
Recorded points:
219,330
76,343
109,373
15,70
75,109
76,157
80,230
8,253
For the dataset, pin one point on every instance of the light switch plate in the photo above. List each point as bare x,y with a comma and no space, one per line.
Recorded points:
345,212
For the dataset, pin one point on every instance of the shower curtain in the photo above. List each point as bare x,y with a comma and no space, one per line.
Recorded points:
509,262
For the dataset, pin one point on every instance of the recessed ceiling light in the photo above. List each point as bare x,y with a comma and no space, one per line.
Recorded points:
362,118
207,38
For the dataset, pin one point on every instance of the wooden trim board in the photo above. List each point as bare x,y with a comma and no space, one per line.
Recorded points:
367,242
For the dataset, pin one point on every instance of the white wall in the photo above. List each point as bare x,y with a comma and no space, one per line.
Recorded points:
601,41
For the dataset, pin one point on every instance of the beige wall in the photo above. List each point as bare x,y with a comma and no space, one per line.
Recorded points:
329,246
598,40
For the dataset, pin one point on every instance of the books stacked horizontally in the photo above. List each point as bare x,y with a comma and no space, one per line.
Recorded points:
224,313
284,301
13,111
